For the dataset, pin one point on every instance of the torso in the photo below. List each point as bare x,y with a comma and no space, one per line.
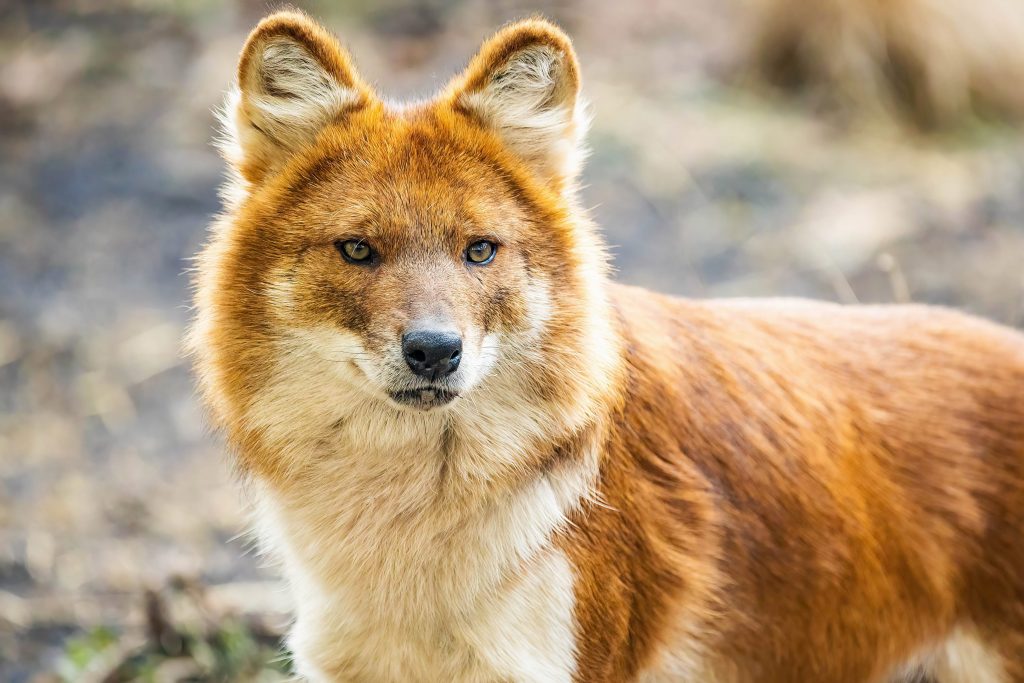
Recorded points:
802,490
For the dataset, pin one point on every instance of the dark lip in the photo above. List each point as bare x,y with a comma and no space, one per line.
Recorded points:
425,397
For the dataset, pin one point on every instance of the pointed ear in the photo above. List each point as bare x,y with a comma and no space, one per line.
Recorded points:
524,85
293,79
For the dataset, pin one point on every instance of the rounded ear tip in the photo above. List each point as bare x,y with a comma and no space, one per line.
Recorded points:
525,32
515,38
290,23
297,26
284,15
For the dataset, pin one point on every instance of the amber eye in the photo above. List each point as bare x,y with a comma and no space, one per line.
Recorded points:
355,251
481,253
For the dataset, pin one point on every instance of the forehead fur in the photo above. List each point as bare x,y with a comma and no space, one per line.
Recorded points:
425,170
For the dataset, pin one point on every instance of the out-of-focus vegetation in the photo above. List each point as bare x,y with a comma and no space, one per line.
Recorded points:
117,514
187,637
933,63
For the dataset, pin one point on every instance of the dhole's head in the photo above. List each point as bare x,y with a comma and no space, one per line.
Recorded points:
404,257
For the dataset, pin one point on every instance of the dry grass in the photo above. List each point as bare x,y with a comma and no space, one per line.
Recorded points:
934,60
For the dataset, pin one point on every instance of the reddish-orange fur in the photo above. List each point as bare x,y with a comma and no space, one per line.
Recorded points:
784,491
852,481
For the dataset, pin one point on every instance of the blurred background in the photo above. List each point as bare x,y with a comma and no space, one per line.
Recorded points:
842,149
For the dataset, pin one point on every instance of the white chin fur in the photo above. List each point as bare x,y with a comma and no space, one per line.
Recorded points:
331,374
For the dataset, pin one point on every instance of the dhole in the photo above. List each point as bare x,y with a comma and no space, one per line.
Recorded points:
478,459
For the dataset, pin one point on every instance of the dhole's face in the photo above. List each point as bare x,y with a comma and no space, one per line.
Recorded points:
412,266
407,256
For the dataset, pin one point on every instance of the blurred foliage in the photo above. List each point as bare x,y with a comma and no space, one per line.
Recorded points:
83,652
192,646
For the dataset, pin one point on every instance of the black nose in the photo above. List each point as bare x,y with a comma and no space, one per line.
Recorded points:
432,354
